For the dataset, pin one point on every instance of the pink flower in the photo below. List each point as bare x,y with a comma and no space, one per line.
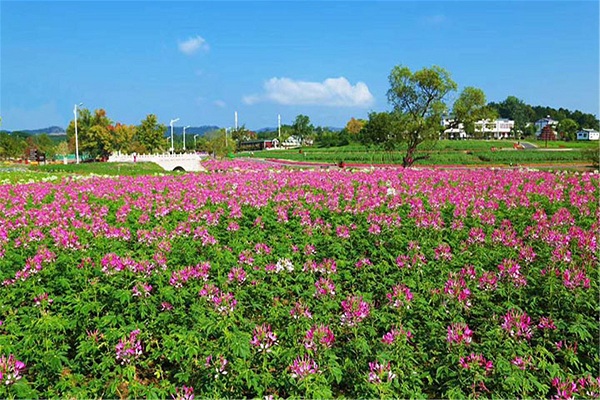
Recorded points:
263,338
354,310
129,349
319,336
184,393
517,324
459,332
379,372
10,369
325,287
401,296
303,367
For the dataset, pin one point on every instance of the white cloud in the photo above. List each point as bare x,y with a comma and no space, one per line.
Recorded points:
219,103
192,45
337,92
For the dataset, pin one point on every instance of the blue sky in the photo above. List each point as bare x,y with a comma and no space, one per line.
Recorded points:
201,61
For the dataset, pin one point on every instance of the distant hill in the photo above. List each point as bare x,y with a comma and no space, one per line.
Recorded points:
51,131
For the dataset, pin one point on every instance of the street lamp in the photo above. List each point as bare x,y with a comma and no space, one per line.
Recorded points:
76,138
171,124
184,128
195,136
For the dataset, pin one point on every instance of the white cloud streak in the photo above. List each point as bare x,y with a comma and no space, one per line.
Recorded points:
334,92
193,45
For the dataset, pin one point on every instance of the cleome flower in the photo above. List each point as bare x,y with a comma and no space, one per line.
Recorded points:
263,338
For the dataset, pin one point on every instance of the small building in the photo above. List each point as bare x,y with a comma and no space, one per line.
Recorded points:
588,134
498,129
541,123
249,145
291,142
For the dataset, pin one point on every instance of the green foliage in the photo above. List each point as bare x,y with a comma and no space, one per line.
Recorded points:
302,127
150,136
419,104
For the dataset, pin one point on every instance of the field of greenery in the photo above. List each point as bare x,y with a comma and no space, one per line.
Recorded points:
248,281
447,152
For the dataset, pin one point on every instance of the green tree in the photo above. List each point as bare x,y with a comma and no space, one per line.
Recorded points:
470,107
302,128
150,135
418,101
354,126
567,129
378,131
515,109
219,144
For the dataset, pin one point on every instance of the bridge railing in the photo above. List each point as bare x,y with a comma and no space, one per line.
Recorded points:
156,157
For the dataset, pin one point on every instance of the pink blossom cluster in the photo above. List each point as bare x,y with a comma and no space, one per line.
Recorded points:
129,349
324,287
400,297
456,288
32,266
141,290
263,338
476,360
511,271
354,310
43,299
380,372
299,310
319,336
391,336
219,364
223,302
10,369
199,271
567,389
303,367
236,275
517,324
459,332
184,393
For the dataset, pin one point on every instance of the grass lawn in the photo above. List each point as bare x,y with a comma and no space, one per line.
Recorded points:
444,152
101,168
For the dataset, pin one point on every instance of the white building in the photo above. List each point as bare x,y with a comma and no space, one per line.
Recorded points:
588,134
291,142
498,129
541,123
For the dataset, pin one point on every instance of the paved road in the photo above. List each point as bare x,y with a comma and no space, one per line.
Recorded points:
527,145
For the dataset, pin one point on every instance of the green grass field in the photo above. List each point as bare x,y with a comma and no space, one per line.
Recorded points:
447,152
130,169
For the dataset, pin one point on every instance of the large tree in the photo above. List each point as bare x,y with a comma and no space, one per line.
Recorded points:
302,128
567,128
419,104
470,107
93,134
150,135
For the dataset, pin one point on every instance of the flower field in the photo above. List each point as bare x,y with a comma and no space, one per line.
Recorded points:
248,281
